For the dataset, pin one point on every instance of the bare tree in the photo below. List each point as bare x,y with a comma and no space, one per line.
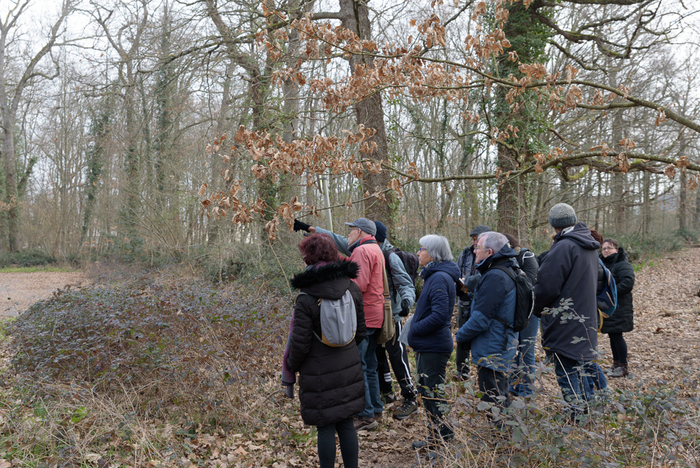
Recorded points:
11,95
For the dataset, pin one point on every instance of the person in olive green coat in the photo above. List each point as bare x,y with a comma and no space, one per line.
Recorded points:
622,321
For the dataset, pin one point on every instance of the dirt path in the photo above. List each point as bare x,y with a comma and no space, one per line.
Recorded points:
18,291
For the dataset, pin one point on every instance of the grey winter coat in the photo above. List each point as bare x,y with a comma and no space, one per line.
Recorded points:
331,381
623,319
569,271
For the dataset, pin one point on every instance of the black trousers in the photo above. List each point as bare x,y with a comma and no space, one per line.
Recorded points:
431,368
463,349
618,346
398,357
494,384
349,447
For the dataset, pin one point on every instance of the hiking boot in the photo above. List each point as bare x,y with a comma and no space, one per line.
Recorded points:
388,398
621,371
365,424
405,410
419,444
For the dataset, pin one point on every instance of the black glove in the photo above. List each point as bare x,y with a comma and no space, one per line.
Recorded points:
301,226
405,306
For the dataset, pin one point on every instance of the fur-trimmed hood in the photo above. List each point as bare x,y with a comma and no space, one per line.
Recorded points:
329,281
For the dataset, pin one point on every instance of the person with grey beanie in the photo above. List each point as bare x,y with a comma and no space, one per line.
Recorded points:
566,286
465,292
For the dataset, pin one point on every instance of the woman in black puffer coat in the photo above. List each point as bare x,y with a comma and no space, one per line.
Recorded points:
622,321
331,381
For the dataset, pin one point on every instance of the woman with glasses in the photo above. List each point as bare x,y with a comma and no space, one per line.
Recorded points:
622,321
430,335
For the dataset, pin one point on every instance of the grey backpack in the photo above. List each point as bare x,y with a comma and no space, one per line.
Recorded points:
338,320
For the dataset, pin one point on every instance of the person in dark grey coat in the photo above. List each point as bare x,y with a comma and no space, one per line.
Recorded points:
622,321
566,287
331,381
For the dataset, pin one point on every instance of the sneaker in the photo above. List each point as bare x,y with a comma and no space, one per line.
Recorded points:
404,411
365,424
388,398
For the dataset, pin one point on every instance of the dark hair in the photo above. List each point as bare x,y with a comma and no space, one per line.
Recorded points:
512,241
612,242
597,236
318,248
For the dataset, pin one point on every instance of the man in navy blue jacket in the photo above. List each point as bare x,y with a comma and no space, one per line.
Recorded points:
565,298
490,324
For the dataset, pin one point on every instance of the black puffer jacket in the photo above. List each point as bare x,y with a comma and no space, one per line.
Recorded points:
623,319
331,382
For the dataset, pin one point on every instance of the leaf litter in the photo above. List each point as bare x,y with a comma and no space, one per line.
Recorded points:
246,421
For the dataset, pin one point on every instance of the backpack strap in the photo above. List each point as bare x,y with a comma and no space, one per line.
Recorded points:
302,293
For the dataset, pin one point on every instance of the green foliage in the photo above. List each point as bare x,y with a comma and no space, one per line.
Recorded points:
27,258
271,265
641,249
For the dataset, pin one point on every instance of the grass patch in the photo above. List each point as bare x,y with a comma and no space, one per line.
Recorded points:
35,269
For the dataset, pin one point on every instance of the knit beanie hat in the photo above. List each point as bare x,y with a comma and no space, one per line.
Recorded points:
480,229
381,232
562,215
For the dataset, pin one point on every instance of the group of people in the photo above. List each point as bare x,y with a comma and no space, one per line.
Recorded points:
343,389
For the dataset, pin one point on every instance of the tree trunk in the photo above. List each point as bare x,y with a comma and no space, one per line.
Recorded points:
370,113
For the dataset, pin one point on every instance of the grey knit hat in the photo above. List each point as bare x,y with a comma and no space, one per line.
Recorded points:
365,225
480,229
562,215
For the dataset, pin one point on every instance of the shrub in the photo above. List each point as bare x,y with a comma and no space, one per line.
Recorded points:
27,257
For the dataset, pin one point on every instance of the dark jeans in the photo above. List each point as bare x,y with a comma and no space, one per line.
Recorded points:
578,380
431,369
618,345
463,349
521,380
398,356
347,436
368,356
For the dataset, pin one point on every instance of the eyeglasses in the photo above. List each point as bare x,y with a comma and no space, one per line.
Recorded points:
422,249
607,249
478,247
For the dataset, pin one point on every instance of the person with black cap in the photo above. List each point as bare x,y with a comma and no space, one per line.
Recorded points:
465,293
362,248
403,296
566,287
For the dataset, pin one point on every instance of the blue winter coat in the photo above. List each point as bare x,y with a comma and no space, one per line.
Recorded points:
569,272
430,328
493,344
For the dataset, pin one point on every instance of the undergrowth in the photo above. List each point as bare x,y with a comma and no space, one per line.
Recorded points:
163,370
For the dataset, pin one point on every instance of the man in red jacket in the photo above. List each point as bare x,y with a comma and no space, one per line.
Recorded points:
364,250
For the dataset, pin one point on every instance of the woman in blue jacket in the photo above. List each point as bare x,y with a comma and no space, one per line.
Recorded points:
430,335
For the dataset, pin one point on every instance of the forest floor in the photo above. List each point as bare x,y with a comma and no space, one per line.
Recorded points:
653,420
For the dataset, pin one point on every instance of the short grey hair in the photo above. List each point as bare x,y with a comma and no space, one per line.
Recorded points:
438,247
493,240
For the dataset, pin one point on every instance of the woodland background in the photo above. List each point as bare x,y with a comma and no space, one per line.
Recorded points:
166,146
141,129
